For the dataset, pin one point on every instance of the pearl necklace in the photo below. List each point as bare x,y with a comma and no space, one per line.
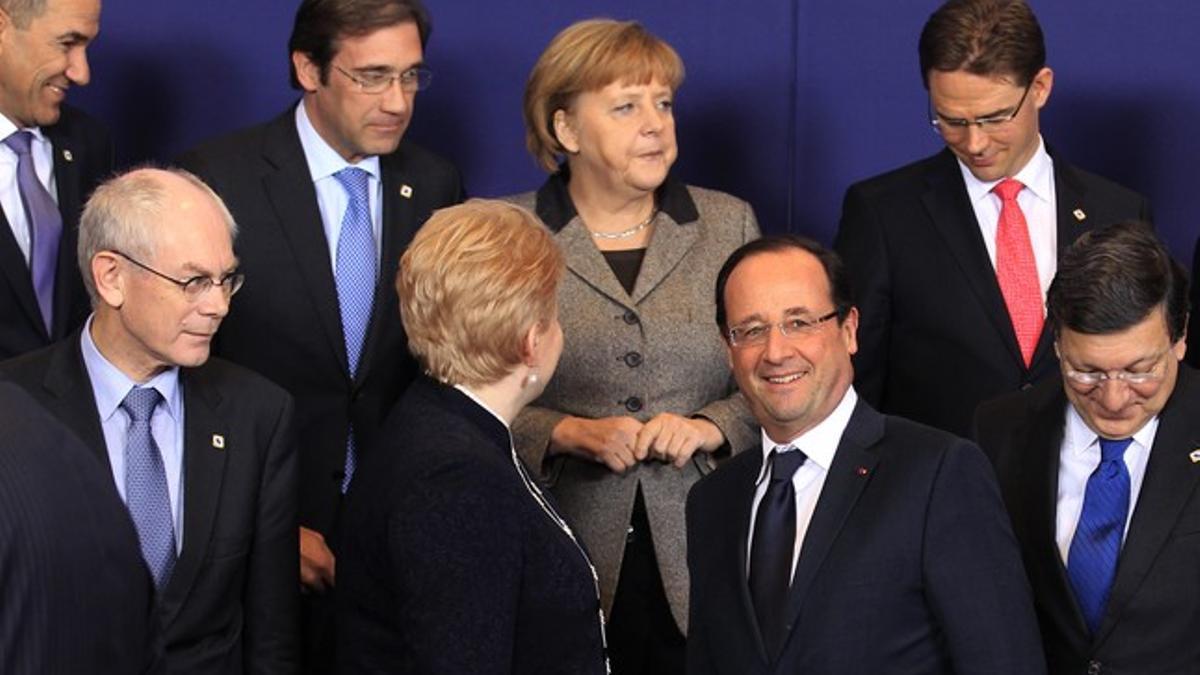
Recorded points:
625,234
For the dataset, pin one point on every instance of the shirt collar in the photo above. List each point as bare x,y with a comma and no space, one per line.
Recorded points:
820,442
1082,439
555,208
1037,176
7,128
478,401
323,160
110,385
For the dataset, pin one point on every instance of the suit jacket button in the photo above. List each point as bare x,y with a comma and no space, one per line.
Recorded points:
1094,668
630,317
633,359
633,404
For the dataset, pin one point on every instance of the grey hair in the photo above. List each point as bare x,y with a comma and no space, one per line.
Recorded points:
23,12
122,214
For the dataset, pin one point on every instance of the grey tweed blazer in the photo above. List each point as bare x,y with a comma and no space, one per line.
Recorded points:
657,350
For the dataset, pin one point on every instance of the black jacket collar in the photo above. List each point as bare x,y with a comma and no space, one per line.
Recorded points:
555,208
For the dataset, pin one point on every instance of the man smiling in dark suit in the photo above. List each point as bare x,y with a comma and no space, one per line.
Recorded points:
1100,467
328,196
850,542
51,156
951,256
200,450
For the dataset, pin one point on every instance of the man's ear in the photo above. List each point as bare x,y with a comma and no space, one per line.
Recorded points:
107,276
307,72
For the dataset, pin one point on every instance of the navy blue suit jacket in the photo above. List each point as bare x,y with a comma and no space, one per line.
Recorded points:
908,567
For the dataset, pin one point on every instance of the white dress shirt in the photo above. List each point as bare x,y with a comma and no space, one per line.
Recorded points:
323,161
1078,457
1037,202
109,387
10,193
820,445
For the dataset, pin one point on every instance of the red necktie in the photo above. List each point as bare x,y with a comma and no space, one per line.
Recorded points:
1016,269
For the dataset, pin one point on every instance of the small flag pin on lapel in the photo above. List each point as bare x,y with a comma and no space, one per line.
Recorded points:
218,441
1195,456
1079,215
406,191
68,156
862,471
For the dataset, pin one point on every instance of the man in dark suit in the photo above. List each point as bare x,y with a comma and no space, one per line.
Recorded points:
51,156
850,542
1194,322
1100,467
332,166
950,256
76,594
200,449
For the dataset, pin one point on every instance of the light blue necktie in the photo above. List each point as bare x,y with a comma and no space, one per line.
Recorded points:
1092,558
146,493
45,226
357,269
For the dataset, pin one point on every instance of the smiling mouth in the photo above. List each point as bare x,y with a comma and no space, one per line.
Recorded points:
785,379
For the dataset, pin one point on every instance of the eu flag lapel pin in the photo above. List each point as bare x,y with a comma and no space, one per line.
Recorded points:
67,155
406,191
218,441
1195,456
1079,215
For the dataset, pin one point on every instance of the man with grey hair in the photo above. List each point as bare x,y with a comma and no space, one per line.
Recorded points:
201,450
51,156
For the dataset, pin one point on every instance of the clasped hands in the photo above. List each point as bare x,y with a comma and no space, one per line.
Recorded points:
621,442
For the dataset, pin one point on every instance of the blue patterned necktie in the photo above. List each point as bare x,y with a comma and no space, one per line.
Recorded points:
146,493
773,545
45,226
357,269
1092,558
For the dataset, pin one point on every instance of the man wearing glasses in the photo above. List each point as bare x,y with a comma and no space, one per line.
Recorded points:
1100,468
951,256
328,195
851,542
200,450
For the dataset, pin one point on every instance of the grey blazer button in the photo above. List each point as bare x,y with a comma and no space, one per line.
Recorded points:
630,317
633,359
633,404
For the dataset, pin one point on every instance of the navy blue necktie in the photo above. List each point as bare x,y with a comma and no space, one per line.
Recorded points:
773,545
146,493
355,274
1092,558
45,226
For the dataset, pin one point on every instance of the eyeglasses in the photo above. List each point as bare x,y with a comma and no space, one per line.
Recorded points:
379,81
1095,378
756,333
954,127
195,287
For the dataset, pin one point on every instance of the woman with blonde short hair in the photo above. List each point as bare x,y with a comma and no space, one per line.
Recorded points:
643,399
453,560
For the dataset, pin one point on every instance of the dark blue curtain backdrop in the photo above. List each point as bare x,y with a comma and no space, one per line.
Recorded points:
786,101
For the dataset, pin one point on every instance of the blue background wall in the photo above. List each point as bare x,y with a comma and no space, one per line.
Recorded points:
786,101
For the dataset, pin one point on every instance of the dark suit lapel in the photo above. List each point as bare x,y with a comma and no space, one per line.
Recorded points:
949,208
585,261
668,245
16,271
75,403
738,509
843,486
294,199
1171,479
206,441
68,184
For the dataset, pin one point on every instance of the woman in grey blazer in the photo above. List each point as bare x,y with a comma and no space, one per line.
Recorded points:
643,398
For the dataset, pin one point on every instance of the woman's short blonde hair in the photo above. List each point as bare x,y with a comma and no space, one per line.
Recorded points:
474,280
587,56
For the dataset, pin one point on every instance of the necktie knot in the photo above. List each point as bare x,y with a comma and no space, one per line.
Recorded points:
354,181
140,403
1113,450
1008,189
785,461
19,142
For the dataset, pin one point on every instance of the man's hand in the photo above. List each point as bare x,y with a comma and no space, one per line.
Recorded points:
316,561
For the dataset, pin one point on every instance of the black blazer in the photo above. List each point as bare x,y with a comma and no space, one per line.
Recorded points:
935,339
77,596
231,604
908,566
448,564
83,156
285,323
1193,353
1153,616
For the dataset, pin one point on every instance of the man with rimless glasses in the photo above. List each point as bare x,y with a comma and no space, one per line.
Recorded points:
951,255
328,195
1100,468
200,450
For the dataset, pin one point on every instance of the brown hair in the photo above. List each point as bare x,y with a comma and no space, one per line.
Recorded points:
321,24
983,37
